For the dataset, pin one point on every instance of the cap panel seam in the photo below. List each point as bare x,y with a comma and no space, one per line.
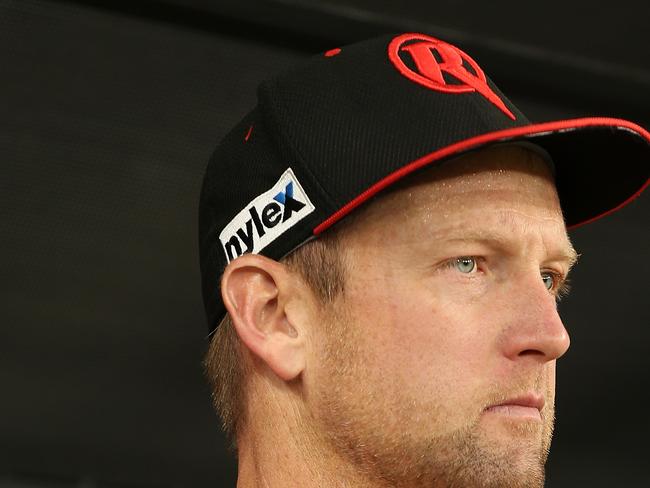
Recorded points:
267,109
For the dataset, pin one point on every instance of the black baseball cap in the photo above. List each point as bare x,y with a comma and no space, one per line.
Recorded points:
335,130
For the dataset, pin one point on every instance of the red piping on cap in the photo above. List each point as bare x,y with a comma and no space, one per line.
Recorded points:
611,210
482,139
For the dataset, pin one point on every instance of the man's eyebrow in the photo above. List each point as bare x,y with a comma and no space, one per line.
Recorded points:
567,254
571,256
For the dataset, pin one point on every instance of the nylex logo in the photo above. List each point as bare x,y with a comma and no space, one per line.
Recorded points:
267,217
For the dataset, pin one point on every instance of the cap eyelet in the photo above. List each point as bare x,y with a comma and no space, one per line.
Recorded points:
333,52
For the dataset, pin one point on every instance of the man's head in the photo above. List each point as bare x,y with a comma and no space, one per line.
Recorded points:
447,307
386,236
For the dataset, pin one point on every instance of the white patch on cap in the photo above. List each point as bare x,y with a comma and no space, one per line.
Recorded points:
266,217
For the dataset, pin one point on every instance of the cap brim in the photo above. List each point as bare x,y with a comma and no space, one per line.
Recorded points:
601,165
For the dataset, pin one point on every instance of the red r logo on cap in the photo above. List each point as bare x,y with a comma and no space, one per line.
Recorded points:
430,71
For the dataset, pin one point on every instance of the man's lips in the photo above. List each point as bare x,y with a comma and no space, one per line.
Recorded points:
525,406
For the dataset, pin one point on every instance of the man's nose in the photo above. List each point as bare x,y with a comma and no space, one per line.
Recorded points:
535,328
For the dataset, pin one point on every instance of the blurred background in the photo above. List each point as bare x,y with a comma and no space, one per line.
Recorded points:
108,114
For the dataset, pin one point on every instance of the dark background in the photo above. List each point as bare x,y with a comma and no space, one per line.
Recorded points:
108,114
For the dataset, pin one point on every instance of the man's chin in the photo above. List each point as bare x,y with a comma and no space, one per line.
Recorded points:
489,457
523,436
507,453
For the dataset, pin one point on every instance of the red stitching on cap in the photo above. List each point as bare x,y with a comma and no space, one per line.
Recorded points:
248,134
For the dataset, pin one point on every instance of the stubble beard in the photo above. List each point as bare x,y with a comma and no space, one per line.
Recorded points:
383,440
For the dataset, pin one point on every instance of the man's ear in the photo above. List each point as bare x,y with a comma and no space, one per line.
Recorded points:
258,293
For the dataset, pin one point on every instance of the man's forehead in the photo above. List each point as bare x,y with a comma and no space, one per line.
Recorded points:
490,196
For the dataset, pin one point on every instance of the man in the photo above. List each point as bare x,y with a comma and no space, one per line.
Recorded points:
383,242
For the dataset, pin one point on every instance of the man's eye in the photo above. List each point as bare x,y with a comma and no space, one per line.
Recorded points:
556,283
549,280
465,264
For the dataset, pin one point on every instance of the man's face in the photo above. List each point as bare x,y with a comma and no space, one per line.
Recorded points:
421,343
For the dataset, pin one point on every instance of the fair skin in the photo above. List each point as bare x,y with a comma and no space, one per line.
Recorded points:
391,385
